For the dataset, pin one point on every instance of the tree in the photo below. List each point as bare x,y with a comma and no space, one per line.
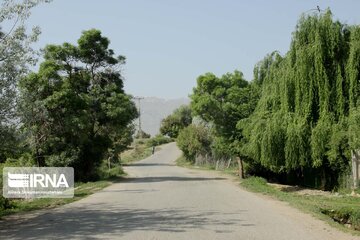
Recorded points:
16,55
308,106
223,102
142,134
193,140
174,123
75,108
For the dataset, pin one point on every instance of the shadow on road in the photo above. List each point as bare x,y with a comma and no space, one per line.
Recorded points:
85,223
149,164
170,179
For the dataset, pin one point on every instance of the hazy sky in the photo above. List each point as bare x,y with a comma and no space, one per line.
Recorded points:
169,43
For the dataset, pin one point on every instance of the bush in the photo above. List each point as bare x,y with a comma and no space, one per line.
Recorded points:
193,140
141,134
115,171
24,161
158,140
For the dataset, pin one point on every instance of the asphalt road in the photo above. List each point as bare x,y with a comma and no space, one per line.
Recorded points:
162,201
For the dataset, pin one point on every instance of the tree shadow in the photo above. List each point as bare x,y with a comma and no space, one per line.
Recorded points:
170,179
106,220
148,165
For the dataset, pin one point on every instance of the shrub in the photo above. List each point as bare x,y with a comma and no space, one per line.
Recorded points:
158,140
193,140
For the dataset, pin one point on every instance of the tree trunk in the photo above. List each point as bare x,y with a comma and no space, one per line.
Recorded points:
228,164
40,160
109,164
241,167
355,157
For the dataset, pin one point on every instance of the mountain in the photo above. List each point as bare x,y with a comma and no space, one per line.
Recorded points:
154,109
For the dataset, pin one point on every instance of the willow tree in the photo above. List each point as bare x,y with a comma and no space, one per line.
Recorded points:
301,122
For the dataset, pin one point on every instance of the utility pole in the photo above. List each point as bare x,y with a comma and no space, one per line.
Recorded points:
140,131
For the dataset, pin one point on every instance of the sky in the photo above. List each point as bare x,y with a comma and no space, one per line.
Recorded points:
169,43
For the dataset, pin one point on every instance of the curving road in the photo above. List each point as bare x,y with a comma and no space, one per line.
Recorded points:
162,201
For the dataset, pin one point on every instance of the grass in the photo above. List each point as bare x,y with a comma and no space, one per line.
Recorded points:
331,208
81,190
139,150
183,162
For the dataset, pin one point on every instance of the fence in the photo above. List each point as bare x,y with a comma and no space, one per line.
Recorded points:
218,163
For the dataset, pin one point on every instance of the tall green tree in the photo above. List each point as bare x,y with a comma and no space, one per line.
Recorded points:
175,122
16,56
223,102
74,107
301,122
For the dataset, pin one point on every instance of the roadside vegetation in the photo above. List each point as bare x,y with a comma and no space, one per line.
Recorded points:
295,124
24,205
333,207
107,174
72,111
142,148
338,208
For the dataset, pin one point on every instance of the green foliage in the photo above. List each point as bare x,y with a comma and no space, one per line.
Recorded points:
75,109
222,102
25,160
141,134
272,145
344,215
137,151
220,147
9,143
174,123
193,140
299,117
341,208
16,57
158,140
297,146
81,190
353,67
306,116
354,128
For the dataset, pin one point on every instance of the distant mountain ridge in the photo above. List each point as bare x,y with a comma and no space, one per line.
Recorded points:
154,109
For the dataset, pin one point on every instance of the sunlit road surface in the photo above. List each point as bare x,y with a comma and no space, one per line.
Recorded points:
162,201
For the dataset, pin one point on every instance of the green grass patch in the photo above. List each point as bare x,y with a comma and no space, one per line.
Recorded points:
139,150
158,140
183,162
81,190
333,208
